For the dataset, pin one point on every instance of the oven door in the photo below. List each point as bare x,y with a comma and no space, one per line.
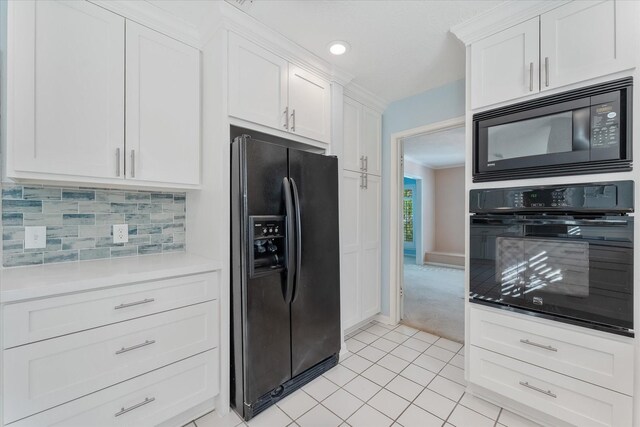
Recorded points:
574,269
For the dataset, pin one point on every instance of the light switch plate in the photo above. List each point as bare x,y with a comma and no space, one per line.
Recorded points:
35,237
120,233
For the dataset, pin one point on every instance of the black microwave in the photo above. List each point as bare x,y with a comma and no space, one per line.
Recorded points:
583,131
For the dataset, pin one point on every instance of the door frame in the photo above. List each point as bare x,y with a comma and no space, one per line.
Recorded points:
396,255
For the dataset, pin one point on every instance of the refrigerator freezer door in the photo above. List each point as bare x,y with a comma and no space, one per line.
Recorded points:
259,304
315,310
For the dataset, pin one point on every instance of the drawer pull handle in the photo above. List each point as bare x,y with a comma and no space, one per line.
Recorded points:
539,390
131,304
535,344
136,406
133,347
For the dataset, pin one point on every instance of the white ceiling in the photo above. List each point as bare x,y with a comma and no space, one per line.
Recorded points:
437,150
398,47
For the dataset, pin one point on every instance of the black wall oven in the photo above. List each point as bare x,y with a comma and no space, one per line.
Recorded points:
582,131
563,252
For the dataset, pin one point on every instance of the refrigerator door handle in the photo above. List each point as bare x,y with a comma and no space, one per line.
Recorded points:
296,205
291,261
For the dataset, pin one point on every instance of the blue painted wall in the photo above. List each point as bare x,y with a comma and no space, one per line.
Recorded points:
435,105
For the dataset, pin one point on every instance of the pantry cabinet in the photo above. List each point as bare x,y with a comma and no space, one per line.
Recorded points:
574,42
91,101
362,138
360,233
268,90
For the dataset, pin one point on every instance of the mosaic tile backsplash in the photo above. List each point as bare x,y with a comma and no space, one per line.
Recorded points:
80,223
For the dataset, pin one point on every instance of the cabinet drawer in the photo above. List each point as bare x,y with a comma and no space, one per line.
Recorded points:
174,389
607,362
576,402
41,375
37,320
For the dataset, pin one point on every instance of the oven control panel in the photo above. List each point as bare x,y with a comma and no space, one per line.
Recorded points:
608,197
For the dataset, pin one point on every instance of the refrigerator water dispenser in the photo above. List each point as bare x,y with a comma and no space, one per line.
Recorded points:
269,244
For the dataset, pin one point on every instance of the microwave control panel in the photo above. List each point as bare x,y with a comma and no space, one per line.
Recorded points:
605,124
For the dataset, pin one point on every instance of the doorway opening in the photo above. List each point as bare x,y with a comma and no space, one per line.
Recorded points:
432,203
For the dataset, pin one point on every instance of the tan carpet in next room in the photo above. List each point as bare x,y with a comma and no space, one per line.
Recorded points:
434,299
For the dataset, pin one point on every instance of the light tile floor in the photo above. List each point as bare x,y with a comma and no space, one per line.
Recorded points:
392,376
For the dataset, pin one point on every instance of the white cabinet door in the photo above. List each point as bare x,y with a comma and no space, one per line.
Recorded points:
66,89
505,66
163,108
352,112
371,139
350,214
371,257
586,39
257,84
309,105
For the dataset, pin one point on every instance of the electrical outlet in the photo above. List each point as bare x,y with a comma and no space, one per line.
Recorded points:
120,233
35,237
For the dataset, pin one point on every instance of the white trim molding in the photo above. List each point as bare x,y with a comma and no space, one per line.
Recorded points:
357,92
501,17
396,270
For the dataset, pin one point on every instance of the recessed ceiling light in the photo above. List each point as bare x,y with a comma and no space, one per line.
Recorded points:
338,47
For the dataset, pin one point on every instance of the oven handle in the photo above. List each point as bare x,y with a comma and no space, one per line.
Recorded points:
610,222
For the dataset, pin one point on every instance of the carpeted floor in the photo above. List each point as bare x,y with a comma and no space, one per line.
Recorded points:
434,299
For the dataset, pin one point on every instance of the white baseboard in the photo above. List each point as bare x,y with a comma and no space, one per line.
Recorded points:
383,318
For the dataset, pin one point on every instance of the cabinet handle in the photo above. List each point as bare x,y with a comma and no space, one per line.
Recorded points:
366,163
137,346
366,181
133,163
531,77
361,163
539,390
361,180
546,71
117,161
131,304
293,120
136,406
535,344
286,118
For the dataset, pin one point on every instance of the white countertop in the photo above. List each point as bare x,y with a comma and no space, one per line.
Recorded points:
22,283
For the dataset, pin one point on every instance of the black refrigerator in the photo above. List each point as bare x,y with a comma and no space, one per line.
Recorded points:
285,271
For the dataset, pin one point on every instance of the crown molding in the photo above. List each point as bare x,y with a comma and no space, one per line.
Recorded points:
158,19
357,92
253,30
501,17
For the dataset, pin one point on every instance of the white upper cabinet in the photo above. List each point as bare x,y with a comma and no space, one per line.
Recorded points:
362,128
371,140
72,69
268,90
66,89
163,108
309,105
568,44
352,113
505,65
585,39
257,84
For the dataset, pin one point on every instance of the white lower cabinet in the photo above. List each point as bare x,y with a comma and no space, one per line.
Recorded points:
360,230
579,376
135,354
147,400
573,401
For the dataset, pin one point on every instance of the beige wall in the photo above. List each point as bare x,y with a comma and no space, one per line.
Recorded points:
449,210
